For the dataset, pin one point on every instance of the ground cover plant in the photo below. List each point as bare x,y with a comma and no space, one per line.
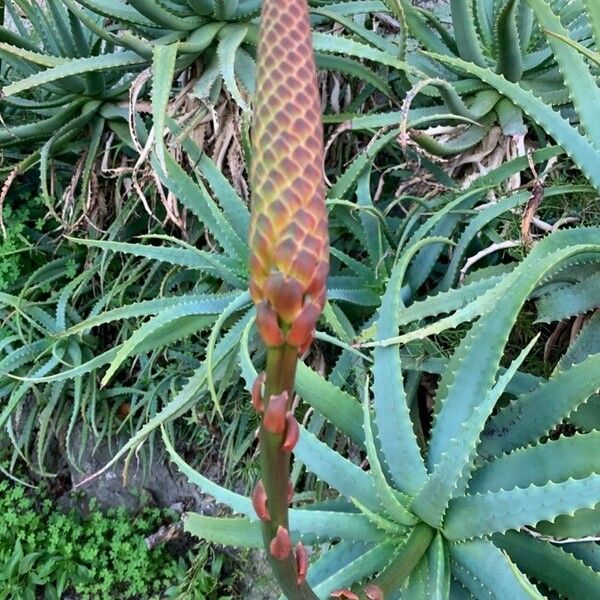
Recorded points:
192,229
43,551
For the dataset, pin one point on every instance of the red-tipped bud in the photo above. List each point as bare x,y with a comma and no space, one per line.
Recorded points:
303,327
344,595
301,563
285,295
281,544
259,502
274,415
292,433
373,592
257,400
268,325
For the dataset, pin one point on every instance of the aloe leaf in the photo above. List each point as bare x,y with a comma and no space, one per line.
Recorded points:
478,515
592,10
418,585
230,39
582,151
483,217
510,61
586,343
473,366
510,118
487,572
465,32
355,69
159,15
361,567
229,531
306,525
78,66
578,78
325,42
187,257
439,569
23,388
184,398
395,428
336,558
34,57
534,414
390,501
443,302
431,502
370,223
569,301
350,176
163,71
117,10
344,476
560,570
208,303
233,206
368,36
165,323
484,14
555,460
340,408
196,198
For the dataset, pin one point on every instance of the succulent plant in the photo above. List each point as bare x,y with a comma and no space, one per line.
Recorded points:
481,505
506,38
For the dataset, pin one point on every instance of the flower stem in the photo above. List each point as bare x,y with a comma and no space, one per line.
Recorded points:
275,469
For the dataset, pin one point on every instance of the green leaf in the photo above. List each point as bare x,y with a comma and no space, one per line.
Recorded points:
231,37
560,570
229,531
439,569
456,460
196,198
348,479
342,409
478,515
209,304
467,40
106,62
569,301
592,10
390,501
472,369
363,566
163,71
392,415
555,460
510,60
580,82
488,573
534,414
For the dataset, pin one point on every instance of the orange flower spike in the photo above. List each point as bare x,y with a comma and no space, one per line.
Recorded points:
288,233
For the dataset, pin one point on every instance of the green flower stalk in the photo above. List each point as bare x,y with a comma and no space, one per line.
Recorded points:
289,259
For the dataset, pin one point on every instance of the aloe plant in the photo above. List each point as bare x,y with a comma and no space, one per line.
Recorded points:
469,503
580,138
502,39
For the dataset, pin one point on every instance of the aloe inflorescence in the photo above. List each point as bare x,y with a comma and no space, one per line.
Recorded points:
289,257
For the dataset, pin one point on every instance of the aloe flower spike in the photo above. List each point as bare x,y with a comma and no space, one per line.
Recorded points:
289,259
